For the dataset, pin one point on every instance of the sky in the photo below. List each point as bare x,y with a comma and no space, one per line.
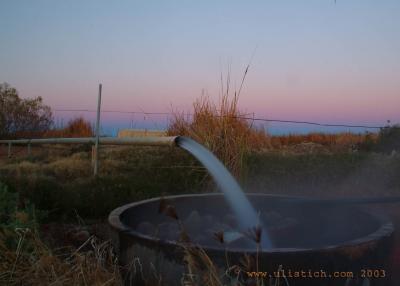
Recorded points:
313,60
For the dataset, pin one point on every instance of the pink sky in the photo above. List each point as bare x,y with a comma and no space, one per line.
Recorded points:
310,60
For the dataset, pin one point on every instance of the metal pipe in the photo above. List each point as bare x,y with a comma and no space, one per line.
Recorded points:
142,141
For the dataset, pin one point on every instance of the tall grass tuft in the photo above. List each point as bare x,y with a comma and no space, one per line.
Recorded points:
221,128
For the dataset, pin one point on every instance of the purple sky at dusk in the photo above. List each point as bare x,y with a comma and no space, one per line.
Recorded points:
313,60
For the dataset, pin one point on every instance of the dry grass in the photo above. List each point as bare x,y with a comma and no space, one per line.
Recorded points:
338,139
74,166
23,168
26,258
201,267
222,129
33,263
71,167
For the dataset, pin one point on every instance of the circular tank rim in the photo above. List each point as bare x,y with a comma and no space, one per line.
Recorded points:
386,227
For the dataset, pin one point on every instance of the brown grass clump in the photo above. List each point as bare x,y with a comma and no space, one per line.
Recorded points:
33,263
221,128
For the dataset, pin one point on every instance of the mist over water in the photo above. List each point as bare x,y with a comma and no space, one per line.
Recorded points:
241,206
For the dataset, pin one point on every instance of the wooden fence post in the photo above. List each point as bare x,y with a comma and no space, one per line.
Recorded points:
9,149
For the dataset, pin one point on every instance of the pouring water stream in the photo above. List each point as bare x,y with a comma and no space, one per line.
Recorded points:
241,206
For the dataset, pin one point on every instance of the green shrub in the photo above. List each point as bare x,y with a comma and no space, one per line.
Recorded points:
14,217
8,205
389,139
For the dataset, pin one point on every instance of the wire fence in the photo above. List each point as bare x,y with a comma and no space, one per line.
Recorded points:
5,151
145,120
135,141
247,117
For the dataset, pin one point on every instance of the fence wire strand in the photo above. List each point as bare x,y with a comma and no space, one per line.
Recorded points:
241,117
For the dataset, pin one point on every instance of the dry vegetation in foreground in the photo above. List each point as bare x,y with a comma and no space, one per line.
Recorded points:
34,263
27,259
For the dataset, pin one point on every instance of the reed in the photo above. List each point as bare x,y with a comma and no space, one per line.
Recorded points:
222,128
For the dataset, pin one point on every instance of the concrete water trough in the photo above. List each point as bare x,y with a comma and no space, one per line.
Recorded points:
308,236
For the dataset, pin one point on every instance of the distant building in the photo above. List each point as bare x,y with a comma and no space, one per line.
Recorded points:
141,133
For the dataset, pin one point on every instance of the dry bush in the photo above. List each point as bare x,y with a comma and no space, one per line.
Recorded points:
20,117
77,127
222,128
